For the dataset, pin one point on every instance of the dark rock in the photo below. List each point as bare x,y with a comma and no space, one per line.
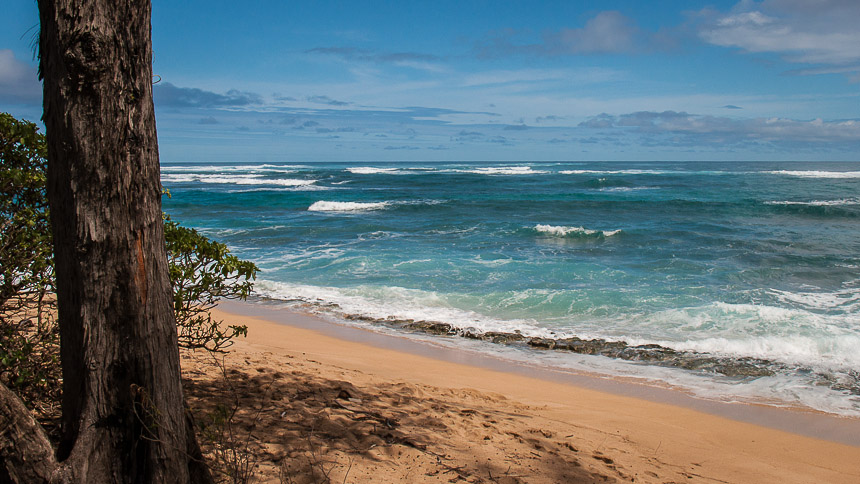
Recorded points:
431,327
744,368
545,343
470,335
650,353
359,317
494,337
502,338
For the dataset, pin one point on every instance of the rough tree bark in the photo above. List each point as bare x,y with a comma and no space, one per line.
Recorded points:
123,407
25,452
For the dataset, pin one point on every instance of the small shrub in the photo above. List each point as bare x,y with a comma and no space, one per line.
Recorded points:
203,271
26,255
29,340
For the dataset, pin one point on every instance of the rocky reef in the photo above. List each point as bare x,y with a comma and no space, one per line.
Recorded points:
651,354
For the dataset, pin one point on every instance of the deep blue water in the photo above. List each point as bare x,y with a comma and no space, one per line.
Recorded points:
734,260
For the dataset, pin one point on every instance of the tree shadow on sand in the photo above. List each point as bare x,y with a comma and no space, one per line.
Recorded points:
292,426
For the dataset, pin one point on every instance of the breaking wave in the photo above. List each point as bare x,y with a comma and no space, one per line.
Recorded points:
818,203
236,180
622,172
370,170
325,206
817,173
503,170
166,168
561,231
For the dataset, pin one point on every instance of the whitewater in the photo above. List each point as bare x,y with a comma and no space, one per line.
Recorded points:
730,281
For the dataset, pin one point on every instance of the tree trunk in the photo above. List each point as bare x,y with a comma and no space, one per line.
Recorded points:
25,451
123,413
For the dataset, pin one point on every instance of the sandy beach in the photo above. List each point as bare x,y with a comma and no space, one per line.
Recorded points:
316,403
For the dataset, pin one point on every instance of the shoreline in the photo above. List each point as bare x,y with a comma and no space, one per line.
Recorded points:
798,420
617,430
751,377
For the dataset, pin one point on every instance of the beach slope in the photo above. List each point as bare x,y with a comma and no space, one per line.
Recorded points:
310,406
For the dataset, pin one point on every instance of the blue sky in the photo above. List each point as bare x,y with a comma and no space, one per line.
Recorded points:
489,80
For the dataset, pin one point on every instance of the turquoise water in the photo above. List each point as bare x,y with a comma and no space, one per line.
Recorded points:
735,261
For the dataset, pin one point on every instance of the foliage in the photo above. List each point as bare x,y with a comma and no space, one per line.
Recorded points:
25,236
29,339
203,271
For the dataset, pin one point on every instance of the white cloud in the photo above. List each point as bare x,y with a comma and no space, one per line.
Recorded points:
579,76
608,32
746,18
810,32
18,81
413,60
692,129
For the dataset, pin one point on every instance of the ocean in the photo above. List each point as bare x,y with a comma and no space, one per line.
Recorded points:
730,281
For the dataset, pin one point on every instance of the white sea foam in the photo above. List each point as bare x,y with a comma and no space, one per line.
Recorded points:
491,262
326,206
503,170
167,168
248,179
831,354
370,170
619,172
393,303
295,258
831,351
803,335
330,206
298,188
820,330
413,261
720,318
818,203
287,182
847,299
779,390
186,178
625,189
562,231
817,173
652,172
